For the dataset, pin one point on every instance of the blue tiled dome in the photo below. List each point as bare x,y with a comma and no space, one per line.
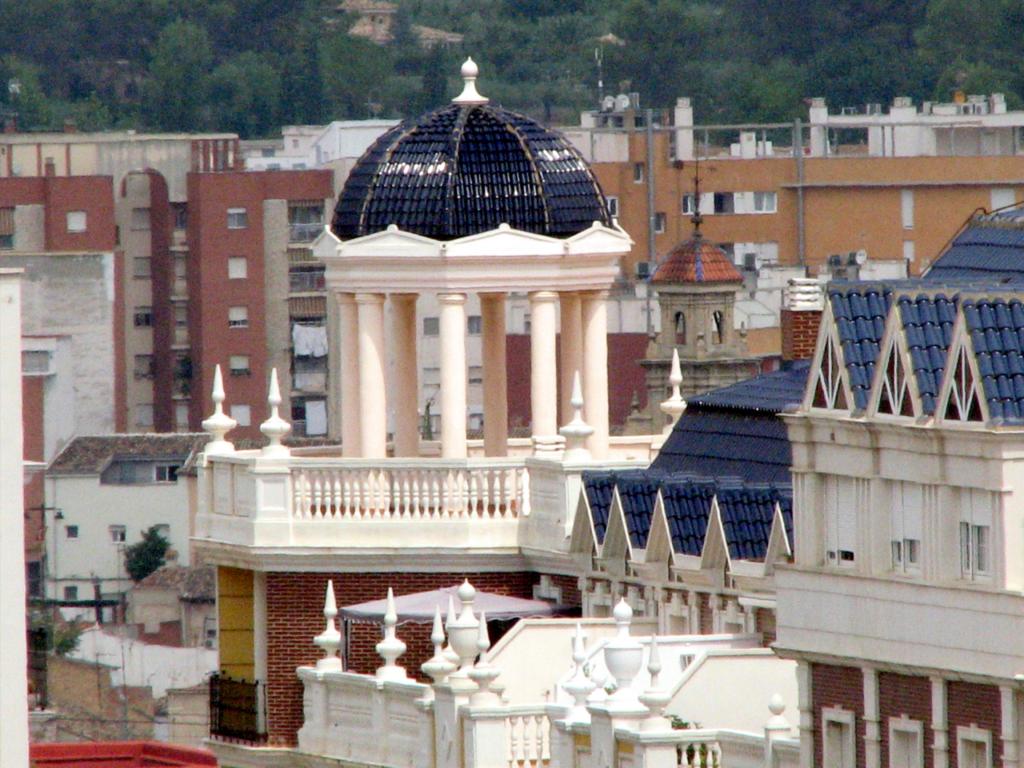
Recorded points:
465,169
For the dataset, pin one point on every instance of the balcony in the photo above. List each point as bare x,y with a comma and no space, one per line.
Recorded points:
304,232
306,281
235,707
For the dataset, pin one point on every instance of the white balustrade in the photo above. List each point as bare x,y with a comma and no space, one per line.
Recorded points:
424,489
529,737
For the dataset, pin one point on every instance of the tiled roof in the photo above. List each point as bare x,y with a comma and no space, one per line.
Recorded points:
465,169
747,515
928,328
991,248
88,455
599,487
687,509
697,261
997,334
751,446
193,584
860,313
770,392
638,493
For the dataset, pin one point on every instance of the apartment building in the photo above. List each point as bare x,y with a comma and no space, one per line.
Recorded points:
890,186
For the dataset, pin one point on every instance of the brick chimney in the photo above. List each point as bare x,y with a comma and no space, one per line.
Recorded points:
802,303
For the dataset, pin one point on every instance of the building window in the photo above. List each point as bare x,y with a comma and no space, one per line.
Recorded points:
717,327
238,268
638,173
71,531
688,206
724,202
238,317
180,315
613,206
35,362
144,415
907,208
117,534
140,219
6,228
431,326
973,747
659,222
474,325
76,221
181,417
905,526
305,220
906,743
242,414
166,473
838,746
765,202
680,320
975,534
180,215
145,367
143,317
240,365
840,522
238,218
142,267
71,593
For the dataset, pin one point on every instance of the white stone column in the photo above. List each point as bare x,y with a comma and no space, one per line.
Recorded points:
571,352
349,367
1009,732
373,414
940,725
406,379
544,372
492,312
805,686
453,375
13,677
872,728
595,370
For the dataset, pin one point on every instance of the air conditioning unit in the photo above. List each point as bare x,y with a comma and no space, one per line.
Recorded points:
643,270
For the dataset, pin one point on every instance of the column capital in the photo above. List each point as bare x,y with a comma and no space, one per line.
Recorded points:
492,295
596,294
451,298
369,298
344,297
539,296
404,297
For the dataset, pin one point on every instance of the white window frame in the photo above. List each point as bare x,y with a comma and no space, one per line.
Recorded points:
976,534
118,534
660,222
840,533
765,202
613,206
639,172
907,208
77,221
906,522
168,467
688,204
238,267
238,317
238,218
904,724
966,733
846,719
239,365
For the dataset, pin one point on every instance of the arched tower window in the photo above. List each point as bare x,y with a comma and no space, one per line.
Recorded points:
680,328
717,329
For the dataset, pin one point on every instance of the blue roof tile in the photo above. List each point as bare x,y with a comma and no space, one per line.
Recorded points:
687,509
598,486
996,327
868,306
747,515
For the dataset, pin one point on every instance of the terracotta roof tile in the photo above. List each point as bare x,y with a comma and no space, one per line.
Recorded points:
697,261
89,454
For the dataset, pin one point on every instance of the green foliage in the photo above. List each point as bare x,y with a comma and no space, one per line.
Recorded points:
251,65
58,636
145,556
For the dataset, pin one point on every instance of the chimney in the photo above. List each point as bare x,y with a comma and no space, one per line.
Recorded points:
802,303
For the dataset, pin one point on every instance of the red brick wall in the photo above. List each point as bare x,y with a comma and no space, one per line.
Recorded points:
765,624
295,604
707,616
570,586
799,334
973,704
833,686
905,695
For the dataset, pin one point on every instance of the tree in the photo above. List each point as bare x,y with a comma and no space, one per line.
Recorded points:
145,556
176,89
244,96
58,636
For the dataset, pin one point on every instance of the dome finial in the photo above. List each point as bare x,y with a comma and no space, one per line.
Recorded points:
469,94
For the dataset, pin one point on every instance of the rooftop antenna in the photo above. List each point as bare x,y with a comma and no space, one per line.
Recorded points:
696,218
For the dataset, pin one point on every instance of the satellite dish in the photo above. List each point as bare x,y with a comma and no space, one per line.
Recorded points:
607,103
861,257
621,102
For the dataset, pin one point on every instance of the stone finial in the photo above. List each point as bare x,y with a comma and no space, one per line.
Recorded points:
623,656
579,686
463,630
449,652
218,424
469,94
675,405
576,431
275,427
390,648
483,673
777,723
330,639
655,698
438,667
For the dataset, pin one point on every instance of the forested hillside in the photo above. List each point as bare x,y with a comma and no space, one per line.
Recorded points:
251,65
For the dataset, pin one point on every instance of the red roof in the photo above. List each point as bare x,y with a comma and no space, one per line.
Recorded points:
119,754
697,261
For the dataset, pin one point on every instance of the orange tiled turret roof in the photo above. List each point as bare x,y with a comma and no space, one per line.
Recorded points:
697,261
